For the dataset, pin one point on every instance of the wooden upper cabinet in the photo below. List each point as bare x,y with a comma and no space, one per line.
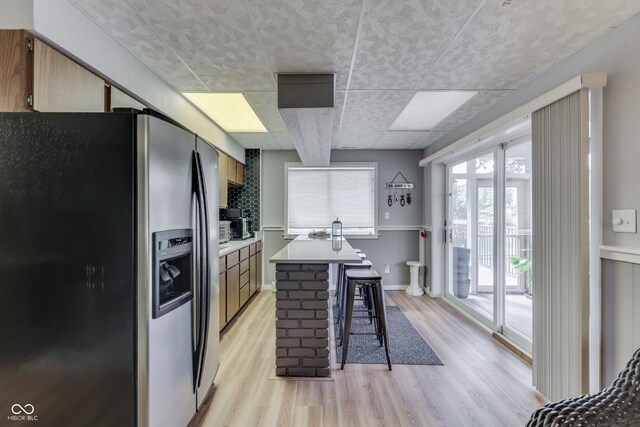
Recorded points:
222,179
240,174
60,84
231,170
119,99
16,65
235,173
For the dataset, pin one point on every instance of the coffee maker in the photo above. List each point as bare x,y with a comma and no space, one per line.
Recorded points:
241,224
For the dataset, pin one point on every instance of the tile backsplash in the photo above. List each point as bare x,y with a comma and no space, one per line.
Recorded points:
248,196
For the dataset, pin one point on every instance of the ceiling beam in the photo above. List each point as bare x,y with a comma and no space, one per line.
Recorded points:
305,102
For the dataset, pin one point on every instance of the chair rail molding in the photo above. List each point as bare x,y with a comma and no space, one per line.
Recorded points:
620,253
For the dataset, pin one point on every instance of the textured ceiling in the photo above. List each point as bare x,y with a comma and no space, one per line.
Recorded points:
382,51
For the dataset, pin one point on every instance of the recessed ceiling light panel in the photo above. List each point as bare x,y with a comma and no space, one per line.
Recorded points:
428,108
229,110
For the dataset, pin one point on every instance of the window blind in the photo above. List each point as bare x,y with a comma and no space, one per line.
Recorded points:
560,256
316,196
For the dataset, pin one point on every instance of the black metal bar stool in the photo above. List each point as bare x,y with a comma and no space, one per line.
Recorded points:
370,279
340,277
341,293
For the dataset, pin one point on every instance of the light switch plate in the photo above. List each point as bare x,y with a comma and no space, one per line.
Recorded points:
624,220
386,215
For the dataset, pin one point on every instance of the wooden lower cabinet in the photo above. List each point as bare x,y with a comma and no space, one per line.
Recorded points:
244,294
253,274
233,291
223,300
240,278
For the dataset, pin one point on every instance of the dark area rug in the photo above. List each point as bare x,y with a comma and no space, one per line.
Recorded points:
406,345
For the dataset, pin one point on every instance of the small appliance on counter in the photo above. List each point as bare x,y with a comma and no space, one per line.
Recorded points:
240,223
225,231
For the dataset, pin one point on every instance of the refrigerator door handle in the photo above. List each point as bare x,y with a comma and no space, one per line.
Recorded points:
198,296
206,282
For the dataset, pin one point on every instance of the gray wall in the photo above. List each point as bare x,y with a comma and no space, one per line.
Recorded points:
390,162
615,53
621,316
394,247
273,206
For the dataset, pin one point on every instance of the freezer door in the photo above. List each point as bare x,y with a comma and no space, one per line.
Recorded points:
210,361
166,395
67,269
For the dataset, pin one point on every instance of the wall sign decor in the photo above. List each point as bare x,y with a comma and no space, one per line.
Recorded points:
396,185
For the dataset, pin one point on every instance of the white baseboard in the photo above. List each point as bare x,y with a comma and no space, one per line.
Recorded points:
265,287
395,287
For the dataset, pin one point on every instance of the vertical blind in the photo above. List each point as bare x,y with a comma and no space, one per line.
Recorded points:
561,246
316,196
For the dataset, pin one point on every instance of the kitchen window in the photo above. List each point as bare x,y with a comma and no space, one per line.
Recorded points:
316,196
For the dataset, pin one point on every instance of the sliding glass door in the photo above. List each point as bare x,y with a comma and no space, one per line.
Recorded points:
489,238
471,233
518,218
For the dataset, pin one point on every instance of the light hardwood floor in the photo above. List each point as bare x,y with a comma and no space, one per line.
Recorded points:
480,384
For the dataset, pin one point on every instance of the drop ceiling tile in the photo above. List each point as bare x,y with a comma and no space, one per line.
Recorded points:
215,39
254,139
308,36
126,27
400,40
479,103
504,47
265,104
427,139
398,139
373,110
356,139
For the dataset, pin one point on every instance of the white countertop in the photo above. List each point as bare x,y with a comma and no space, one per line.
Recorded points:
304,250
234,245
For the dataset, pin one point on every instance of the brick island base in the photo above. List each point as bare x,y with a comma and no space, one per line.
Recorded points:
302,320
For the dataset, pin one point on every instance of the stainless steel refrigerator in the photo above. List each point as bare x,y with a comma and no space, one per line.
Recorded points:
108,292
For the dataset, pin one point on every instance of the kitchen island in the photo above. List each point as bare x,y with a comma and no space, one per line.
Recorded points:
302,304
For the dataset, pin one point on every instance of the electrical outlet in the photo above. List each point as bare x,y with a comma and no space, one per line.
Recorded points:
386,215
387,269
